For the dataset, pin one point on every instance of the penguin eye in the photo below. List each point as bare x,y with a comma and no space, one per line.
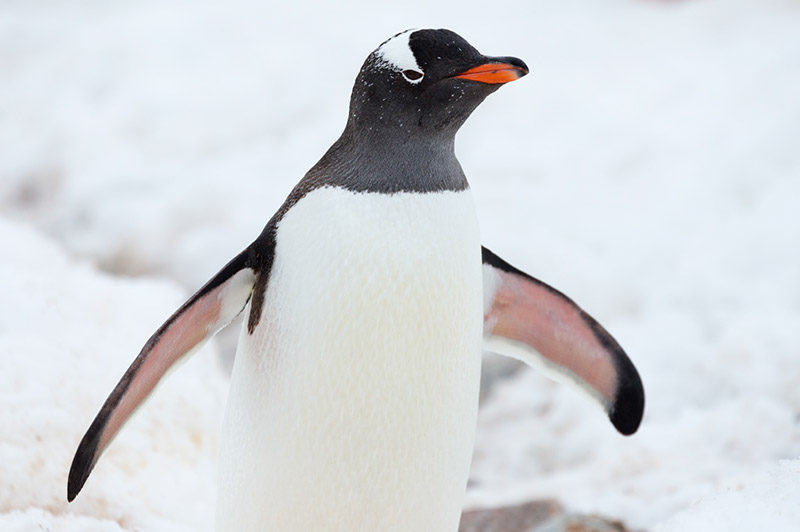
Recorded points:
412,76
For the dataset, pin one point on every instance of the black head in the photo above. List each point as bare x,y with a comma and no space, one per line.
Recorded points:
409,99
425,83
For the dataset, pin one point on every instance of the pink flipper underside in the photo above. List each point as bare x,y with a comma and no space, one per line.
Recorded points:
533,322
211,308
530,313
188,332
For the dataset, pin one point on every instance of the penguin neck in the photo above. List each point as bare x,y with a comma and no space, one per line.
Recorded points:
392,159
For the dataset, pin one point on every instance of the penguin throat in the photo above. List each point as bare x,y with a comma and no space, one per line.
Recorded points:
383,163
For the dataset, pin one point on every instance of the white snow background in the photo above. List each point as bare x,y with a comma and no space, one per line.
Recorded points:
649,167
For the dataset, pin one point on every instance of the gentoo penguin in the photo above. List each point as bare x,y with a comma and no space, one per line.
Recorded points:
368,298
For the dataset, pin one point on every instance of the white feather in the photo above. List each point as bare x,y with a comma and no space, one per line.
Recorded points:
396,53
353,405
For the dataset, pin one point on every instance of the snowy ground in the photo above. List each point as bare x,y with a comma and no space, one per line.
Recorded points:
649,167
67,333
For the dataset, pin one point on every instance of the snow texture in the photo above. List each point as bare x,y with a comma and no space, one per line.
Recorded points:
649,167
67,333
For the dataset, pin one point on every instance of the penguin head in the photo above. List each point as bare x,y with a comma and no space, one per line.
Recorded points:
425,83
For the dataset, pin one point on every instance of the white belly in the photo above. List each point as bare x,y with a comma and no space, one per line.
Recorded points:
353,405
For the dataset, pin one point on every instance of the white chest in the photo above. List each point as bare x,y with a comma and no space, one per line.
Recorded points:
353,405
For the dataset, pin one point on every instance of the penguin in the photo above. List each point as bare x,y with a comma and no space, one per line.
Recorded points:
368,299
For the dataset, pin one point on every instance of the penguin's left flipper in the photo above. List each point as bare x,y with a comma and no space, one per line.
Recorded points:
210,309
528,320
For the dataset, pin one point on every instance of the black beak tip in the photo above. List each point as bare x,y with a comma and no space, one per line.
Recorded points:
515,62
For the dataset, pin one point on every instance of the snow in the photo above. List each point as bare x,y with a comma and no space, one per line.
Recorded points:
649,167
770,503
67,334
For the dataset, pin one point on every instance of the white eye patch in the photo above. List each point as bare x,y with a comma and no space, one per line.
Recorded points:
396,54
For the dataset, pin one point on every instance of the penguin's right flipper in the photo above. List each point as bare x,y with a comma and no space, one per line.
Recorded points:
526,319
213,307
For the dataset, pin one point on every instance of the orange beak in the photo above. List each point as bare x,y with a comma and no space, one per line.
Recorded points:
493,73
